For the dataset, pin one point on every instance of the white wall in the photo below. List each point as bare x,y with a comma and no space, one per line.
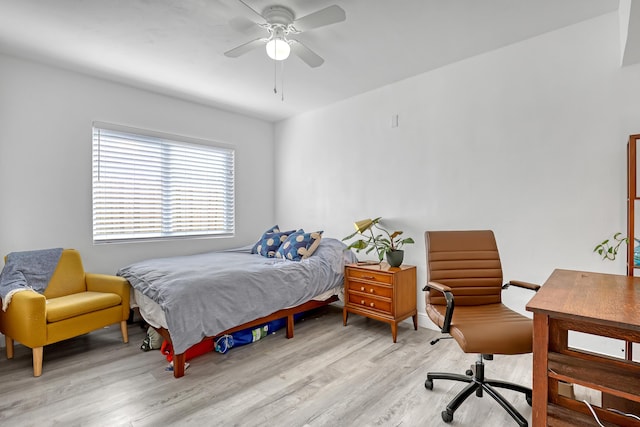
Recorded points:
45,161
528,140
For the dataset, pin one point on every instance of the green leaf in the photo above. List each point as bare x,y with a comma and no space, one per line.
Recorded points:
349,236
358,244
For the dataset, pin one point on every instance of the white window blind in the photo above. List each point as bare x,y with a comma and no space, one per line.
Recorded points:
149,186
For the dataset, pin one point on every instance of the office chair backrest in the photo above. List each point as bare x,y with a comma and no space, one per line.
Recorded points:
466,261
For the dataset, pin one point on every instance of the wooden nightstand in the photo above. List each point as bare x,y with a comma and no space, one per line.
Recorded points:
382,293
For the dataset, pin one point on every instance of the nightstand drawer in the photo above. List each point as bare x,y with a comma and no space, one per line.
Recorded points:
370,303
374,276
370,288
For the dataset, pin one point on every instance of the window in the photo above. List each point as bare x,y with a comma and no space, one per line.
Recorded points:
148,185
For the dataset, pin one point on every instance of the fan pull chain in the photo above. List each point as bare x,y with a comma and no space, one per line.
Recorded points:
282,81
275,76
275,79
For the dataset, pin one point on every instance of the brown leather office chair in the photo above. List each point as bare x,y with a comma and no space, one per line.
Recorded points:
464,299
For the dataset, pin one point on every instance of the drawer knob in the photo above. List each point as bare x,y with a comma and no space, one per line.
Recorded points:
371,290
362,302
372,304
362,288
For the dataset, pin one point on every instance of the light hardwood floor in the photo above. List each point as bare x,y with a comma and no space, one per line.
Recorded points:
328,375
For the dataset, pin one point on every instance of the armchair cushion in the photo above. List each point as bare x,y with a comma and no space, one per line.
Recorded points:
81,303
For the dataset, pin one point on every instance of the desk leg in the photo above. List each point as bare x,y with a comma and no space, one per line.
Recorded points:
540,369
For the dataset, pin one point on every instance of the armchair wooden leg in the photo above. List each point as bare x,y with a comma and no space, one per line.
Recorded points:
125,331
37,361
8,342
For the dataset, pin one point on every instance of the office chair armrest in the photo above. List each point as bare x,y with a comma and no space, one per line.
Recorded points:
448,296
525,285
438,287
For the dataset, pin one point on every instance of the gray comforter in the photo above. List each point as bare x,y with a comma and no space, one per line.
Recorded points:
204,294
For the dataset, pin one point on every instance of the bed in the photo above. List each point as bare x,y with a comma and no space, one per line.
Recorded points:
190,298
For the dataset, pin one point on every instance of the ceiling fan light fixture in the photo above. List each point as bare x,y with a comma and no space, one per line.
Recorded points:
278,49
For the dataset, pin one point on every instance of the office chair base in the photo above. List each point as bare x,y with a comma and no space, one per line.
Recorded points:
479,385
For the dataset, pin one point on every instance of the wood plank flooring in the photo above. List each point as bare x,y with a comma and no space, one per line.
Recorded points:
328,375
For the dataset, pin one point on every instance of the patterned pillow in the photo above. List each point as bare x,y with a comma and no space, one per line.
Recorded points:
299,245
271,242
273,229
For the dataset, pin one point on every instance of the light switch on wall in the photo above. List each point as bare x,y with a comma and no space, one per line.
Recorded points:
394,121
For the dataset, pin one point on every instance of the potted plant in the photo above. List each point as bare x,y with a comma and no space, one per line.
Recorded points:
384,243
609,249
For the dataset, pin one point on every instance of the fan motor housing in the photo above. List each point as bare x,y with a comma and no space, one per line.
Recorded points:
278,15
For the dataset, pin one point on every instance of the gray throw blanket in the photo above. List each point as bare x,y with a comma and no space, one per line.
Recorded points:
27,270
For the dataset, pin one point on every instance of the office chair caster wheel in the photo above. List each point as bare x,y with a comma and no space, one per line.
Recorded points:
428,384
469,372
528,400
447,417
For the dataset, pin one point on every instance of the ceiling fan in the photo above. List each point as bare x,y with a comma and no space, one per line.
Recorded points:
281,24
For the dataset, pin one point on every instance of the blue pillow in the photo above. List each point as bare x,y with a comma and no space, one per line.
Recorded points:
299,245
271,242
273,229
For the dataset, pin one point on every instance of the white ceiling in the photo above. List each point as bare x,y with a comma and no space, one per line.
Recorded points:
176,46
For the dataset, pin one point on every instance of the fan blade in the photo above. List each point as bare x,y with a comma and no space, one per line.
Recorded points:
326,16
248,12
244,48
307,55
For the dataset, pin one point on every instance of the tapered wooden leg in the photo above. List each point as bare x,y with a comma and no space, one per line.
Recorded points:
125,331
394,331
8,342
37,361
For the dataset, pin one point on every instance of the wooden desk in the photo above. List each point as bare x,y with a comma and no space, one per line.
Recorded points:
601,304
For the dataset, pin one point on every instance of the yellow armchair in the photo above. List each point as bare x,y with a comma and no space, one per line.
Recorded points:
74,303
